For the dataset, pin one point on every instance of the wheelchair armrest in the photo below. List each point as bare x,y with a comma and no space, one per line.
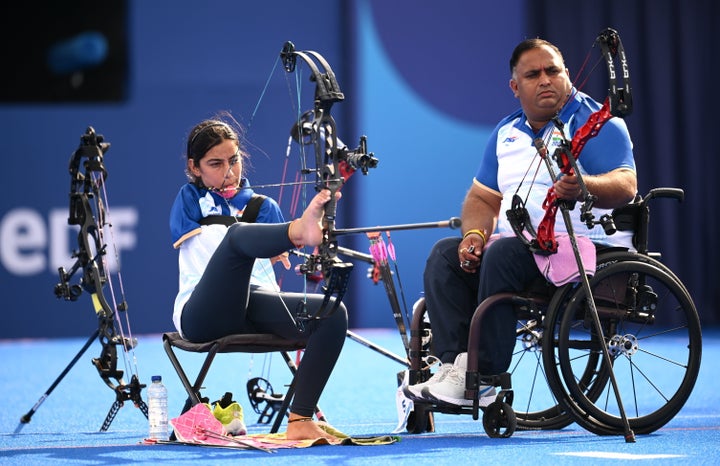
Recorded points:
635,216
675,193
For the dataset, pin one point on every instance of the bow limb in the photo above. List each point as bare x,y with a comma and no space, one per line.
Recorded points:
618,103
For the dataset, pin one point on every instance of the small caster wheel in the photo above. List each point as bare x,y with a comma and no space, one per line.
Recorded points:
499,420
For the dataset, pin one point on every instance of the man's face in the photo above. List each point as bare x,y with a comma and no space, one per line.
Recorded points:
542,83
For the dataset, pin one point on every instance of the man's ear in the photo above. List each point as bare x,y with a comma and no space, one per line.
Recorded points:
513,87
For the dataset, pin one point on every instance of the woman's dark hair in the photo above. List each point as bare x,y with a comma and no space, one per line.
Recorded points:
529,44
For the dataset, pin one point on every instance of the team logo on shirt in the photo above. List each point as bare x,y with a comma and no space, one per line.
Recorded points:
208,207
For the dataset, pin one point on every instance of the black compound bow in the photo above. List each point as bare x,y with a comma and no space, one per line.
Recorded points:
334,164
88,211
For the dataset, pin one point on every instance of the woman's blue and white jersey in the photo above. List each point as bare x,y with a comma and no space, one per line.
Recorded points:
197,243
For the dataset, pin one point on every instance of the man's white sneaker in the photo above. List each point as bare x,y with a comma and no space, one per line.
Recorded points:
414,392
451,389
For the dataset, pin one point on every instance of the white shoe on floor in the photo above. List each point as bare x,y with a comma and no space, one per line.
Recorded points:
414,392
451,389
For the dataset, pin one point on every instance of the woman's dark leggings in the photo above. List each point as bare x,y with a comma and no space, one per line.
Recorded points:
223,303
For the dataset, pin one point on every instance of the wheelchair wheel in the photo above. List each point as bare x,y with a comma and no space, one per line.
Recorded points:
499,420
651,330
535,405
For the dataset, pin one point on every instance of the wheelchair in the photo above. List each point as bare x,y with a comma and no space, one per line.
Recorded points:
630,371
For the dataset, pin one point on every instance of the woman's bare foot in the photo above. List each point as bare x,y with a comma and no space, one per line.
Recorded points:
304,428
307,230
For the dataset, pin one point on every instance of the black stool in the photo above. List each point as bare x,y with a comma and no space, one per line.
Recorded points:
251,343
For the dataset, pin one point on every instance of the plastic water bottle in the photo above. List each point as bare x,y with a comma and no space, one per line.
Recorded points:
158,409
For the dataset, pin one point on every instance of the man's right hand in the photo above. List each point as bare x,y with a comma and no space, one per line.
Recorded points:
469,252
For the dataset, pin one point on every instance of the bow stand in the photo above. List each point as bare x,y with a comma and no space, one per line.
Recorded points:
542,241
88,210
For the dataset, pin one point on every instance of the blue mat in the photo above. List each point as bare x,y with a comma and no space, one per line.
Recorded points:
359,401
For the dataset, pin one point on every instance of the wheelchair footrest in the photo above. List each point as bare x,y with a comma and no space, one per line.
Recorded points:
473,380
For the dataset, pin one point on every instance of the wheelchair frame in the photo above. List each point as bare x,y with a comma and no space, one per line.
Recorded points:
632,290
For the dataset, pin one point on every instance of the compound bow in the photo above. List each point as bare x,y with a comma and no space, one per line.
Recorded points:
334,164
88,210
618,103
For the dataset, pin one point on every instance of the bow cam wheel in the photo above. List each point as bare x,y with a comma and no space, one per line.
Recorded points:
263,400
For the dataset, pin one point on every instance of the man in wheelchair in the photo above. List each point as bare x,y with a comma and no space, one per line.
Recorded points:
490,258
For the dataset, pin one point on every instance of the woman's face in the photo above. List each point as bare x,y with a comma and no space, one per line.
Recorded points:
220,167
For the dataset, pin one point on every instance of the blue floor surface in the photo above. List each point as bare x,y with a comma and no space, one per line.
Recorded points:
359,400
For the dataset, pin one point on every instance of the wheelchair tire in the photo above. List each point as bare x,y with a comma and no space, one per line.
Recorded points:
499,420
635,296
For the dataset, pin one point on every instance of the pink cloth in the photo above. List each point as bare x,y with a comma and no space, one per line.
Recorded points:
561,268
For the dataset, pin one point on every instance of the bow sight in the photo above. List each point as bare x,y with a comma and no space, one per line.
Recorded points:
304,132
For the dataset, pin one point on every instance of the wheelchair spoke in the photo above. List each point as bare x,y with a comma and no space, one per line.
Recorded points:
663,358
655,375
538,407
650,382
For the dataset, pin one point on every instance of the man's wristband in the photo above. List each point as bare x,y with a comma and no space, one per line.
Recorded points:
477,232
